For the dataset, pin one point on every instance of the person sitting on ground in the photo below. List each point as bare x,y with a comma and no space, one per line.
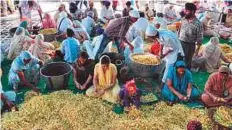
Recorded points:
179,85
20,42
24,71
149,14
218,89
48,22
83,72
210,57
105,83
228,22
89,23
24,24
169,13
70,47
207,22
63,24
107,13
91,8
42,50
126,10
130,94
7,98
75,13
60,10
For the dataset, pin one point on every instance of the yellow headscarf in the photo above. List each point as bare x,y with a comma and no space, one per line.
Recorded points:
105,79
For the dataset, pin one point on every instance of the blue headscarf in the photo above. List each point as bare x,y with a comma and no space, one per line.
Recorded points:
180,84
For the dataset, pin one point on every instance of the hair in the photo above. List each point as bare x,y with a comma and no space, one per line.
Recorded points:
107,3
128,3
84,55
70,32
190,6
142,15
105,60
194,125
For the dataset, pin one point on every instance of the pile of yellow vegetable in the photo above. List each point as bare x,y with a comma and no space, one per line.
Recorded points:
146,58
226,48
63,110
148,97
56,44
229,56
48,31
223,116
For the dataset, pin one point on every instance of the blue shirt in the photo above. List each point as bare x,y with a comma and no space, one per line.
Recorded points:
71,49
180,84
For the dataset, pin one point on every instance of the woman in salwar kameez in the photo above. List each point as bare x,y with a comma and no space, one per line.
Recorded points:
42,50
19,43
105,84
24,70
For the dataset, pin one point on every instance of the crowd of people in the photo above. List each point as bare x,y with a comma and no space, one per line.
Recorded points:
86,36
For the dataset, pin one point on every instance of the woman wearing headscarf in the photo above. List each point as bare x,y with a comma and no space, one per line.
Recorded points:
20,42
24,24
210,57
138,48
42,50
105,84
24,70
179,85
48,22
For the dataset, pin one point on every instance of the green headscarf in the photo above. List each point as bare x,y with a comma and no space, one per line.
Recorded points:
24,25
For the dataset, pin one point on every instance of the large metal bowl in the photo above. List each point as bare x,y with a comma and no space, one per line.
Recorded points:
145,71
56,75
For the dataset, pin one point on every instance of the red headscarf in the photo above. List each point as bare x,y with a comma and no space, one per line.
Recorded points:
48,22
155,48
131,87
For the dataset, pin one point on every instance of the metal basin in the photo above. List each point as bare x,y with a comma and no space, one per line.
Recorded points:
56,75
146,71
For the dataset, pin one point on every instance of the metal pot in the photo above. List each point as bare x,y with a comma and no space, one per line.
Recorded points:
56,75
145,71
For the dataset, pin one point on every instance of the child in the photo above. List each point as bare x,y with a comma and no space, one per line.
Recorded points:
130,94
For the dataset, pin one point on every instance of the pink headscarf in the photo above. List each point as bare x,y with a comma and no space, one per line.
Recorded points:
48,22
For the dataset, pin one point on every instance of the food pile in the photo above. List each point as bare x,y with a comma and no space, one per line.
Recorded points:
223,116
146,59
48,31
29,94
63,110
148,97
226,48
229,56
56,44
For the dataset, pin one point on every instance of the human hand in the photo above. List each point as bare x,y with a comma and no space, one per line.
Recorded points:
10,104
182,97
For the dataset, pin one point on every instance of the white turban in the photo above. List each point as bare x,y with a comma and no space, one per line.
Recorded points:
134,13
151,30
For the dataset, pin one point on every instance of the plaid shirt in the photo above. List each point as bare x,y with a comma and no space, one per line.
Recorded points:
191,32
118,28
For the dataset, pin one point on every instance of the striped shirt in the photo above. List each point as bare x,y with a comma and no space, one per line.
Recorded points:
191,32
118,28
